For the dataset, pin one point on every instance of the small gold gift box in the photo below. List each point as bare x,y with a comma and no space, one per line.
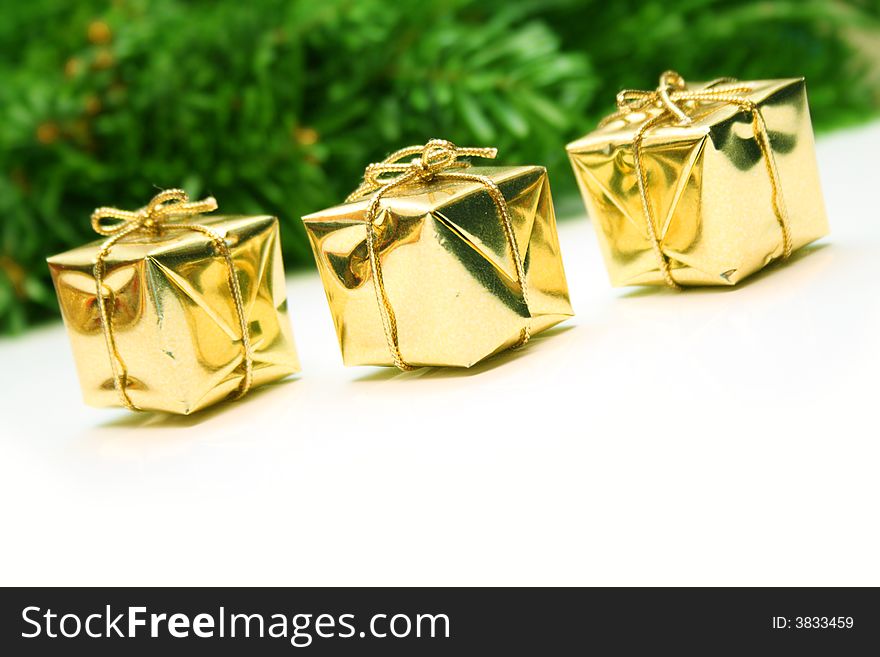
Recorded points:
433,262
171,315
701,184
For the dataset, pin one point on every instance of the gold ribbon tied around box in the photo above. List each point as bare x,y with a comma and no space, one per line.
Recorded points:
169,210
674,100
436,160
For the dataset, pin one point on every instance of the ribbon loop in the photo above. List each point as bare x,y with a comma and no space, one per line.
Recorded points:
438,154
673,101
110,221
437,158
670,82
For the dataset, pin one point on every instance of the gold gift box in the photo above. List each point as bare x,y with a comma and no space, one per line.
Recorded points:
173,319
707,185
447,266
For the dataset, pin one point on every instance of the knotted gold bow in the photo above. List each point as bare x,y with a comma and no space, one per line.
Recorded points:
166,211
437,159
674,101
436,156
165,207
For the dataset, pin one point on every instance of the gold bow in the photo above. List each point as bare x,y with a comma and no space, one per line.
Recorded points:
436,156
165,207
437,159
674,101
164,212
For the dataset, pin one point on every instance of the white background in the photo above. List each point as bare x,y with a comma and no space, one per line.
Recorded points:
706,437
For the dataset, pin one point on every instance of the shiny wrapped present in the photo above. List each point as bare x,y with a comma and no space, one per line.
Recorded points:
434,262
173,312
701,184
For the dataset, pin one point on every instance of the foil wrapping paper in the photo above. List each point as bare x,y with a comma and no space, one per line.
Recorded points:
447,268
172,317
708,186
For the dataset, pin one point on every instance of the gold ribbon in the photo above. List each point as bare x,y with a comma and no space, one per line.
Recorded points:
167,211
436,160
674,100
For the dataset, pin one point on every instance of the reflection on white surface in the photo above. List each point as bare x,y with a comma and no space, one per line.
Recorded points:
714,436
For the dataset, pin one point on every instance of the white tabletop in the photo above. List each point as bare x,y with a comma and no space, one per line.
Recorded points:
707,437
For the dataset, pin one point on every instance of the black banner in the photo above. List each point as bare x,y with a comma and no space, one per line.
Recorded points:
448,621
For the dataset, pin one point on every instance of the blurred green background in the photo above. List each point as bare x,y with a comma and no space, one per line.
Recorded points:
276,106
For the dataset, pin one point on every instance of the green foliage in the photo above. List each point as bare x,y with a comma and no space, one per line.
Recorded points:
276,106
